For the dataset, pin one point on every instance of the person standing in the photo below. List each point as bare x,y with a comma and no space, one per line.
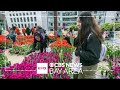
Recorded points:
33,30
28,31
17,31
88,42
24,31
12,35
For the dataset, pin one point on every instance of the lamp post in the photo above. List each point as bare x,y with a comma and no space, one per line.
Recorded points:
55,22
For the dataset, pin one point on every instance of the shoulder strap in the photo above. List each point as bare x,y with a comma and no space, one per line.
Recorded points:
89,36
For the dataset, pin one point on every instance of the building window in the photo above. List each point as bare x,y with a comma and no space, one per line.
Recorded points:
19,25
32,24
51,29
116,19
24,19
29,25
25,25
117,14
35,19
13,14
14,20
23,13
99,17
58,24
34,13
35,24
95,12
11,19
51,24
31,19
20,14
12,25
27,14
21,19
16,14
58,13
28,19
30,13
10,15
17,19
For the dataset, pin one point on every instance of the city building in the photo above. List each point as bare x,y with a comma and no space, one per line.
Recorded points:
110,17
26,18
2,21
66,18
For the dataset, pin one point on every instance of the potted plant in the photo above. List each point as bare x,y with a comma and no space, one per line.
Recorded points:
117,26
109,27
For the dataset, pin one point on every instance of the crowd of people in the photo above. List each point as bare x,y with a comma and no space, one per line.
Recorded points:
39,33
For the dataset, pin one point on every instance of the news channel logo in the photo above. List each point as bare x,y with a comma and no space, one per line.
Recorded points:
42,68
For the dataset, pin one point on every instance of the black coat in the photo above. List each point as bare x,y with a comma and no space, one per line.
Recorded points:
89,51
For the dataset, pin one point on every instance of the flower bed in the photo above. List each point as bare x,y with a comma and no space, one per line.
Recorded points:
61,44
23,45
21,50
30,63
113,59
4,42
3,59
51,38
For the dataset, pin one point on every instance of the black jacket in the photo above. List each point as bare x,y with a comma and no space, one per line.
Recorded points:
89,51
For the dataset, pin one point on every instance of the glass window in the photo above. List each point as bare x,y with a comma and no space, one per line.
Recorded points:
17,19
21,19
23,13
34,13
11,19
10,15
16,14
30,13
20,14
25,25
27,14
24,19
28,19
14,20
35,24
51,24
31,19
19,25
35,19
12,25
28,25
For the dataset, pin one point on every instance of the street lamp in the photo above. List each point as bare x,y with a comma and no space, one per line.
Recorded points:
55,22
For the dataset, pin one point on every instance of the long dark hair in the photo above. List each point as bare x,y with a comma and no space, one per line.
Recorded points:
88,25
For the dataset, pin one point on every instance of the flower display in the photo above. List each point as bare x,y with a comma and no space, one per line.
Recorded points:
27,69
3,59
113,59
61,44
23,45
4,42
